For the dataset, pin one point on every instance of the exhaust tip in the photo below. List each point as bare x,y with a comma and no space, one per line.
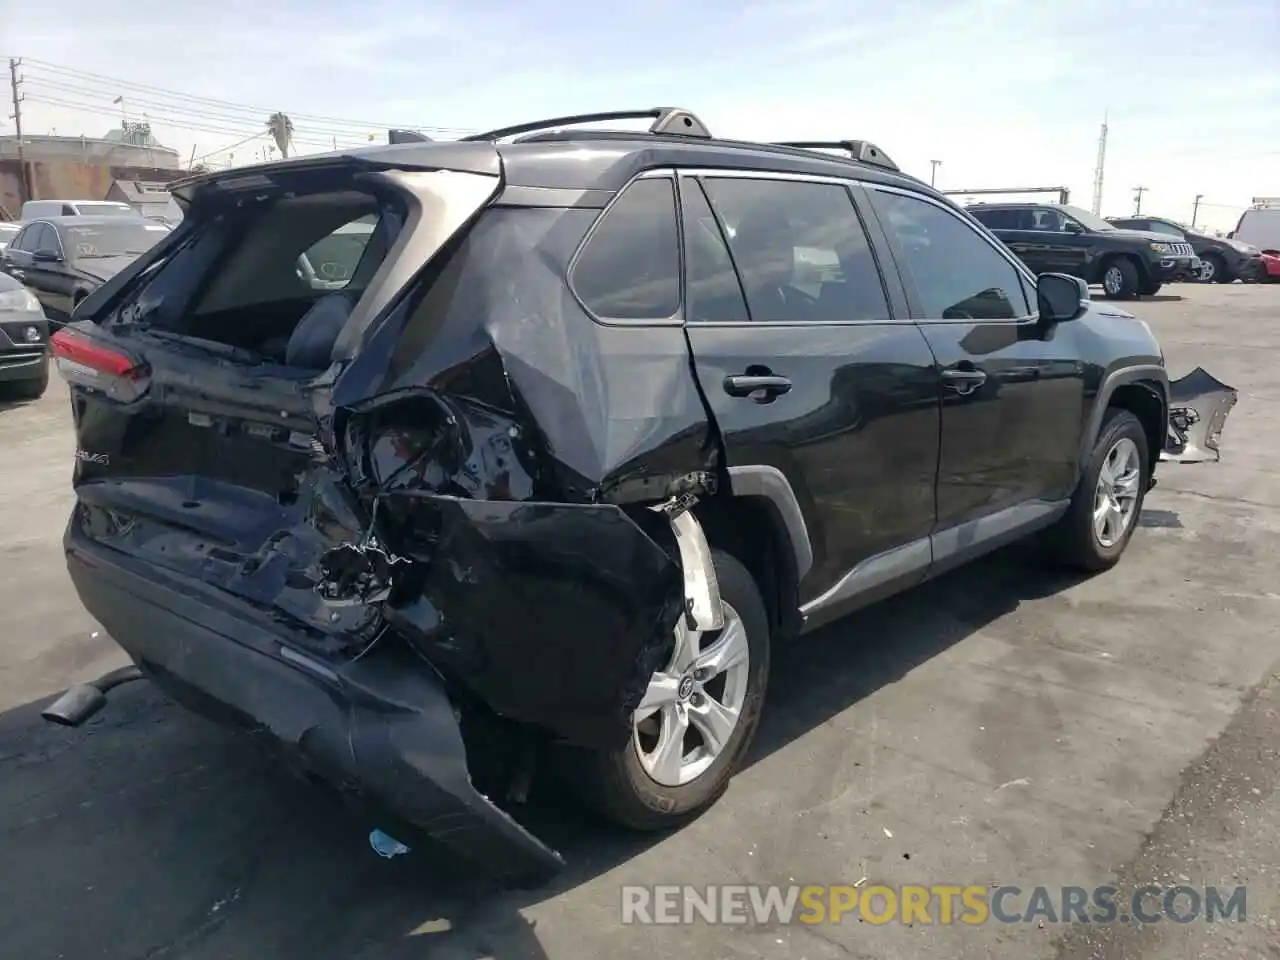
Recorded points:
75,706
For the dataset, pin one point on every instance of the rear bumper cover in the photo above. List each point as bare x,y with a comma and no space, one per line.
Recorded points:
380,727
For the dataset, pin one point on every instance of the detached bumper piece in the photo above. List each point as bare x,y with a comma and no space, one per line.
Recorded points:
380,727
1198,408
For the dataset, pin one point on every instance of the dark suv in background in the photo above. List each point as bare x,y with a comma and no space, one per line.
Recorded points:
1222,260
597,420
1057,238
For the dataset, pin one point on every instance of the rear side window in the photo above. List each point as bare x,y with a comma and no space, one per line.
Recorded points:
957,274
800,250
629,268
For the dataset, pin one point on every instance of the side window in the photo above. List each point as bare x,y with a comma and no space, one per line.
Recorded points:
630,266
800,250
1045,218
1167,229
332,260
712,290
68,210
999,219
22,242
956,272
45,240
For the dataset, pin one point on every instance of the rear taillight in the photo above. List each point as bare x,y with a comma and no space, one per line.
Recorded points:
96,366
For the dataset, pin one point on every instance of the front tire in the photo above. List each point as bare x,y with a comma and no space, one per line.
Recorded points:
1093,533
683,751
1120,279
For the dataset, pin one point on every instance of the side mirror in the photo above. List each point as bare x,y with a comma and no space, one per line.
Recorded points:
1070,226
1061,297
45,256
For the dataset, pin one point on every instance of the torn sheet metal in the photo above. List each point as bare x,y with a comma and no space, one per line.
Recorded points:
607,412
1198,408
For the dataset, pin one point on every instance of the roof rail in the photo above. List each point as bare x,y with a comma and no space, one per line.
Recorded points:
668,120
863,151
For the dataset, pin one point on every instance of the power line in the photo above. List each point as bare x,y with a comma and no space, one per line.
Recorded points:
227,149
223,129
117,85
178,113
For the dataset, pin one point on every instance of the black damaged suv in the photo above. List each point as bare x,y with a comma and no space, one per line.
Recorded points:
597,419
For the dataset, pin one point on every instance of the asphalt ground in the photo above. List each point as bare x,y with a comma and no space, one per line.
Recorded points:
1002,725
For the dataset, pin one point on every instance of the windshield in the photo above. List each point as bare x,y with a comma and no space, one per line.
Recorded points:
1086,218
124,239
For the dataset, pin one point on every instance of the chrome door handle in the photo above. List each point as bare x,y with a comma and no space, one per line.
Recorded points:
963,382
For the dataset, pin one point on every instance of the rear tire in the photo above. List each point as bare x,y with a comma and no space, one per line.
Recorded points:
1076,540
1120,279
617,785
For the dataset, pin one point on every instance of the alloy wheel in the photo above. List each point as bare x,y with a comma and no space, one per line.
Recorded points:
1115,499
693,706
1113,280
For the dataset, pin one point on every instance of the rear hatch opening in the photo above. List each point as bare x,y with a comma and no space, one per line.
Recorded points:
201,382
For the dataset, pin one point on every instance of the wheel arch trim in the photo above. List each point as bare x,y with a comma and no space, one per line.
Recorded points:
762,480
1147,373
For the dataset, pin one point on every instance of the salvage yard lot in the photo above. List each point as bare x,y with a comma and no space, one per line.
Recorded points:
1001,725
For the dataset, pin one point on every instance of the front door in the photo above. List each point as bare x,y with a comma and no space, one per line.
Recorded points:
813,371
1013,388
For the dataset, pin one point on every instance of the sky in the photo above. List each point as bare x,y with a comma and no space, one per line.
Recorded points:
1004,92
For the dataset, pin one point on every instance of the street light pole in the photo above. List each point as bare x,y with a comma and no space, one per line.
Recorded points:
933,173
1195,209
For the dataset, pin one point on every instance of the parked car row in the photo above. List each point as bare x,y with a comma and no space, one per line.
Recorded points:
1059,238
1130,256
1222,259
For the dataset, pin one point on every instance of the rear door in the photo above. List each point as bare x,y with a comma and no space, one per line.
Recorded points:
813,372
1013,387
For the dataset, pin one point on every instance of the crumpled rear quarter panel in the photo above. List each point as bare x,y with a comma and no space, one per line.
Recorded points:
527,584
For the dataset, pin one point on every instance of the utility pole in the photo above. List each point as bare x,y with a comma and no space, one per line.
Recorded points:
1137,199
1098,170
933,174
1195,209
24,183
